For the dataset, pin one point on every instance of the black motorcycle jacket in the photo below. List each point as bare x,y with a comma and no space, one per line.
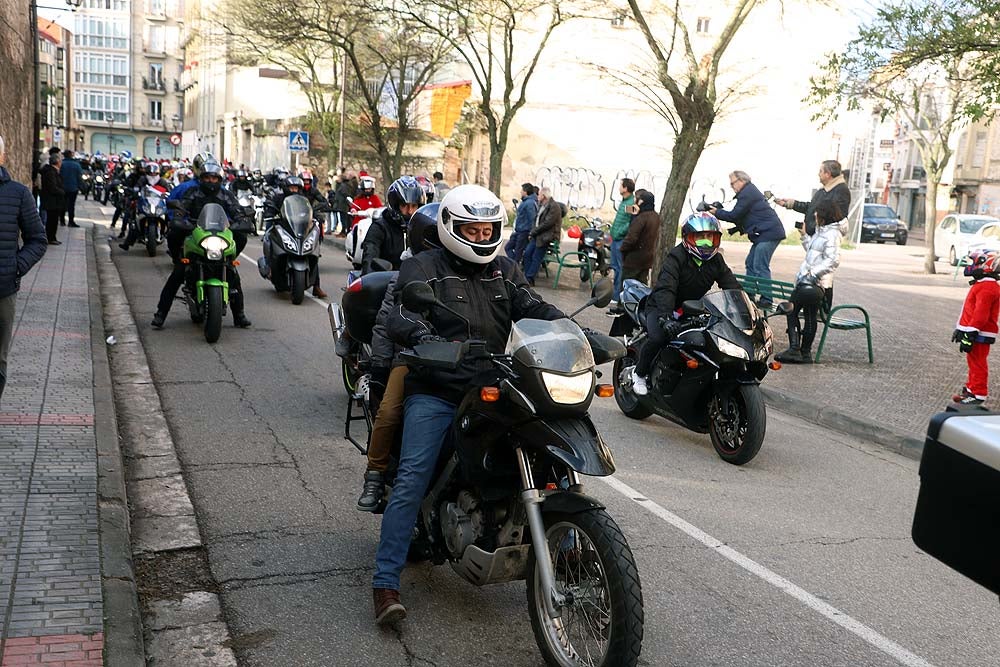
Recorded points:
681,279
385,240
194,200
490,296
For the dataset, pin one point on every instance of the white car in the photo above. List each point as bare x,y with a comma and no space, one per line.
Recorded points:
958,231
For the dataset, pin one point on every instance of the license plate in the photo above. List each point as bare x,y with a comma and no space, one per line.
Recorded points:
888,236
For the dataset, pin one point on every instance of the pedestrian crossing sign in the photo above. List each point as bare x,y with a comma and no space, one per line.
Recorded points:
298,141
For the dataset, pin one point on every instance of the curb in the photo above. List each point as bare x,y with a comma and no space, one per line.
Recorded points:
842,422
123,643
163,522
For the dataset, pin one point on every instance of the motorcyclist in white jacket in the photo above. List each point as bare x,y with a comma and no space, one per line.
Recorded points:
814,282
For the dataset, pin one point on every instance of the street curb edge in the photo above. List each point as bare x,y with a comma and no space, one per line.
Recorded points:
123,643
839,421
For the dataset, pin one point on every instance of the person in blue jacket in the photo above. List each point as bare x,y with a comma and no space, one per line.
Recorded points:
754,217
527,213
72,175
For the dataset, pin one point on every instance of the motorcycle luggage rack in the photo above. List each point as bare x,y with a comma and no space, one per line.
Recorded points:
356,402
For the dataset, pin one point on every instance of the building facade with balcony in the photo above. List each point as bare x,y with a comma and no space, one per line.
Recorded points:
58,127
126,70
977,170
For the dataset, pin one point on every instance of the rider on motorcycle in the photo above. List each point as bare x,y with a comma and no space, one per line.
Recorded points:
490,291
386,238
366,197
293,185
209,191
387,375
150,176
689,271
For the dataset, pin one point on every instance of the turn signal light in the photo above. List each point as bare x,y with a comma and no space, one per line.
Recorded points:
185,260
489,394
692,363
605,390
775,365
236,262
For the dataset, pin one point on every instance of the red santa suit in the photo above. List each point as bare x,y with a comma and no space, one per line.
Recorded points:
979,314
363,204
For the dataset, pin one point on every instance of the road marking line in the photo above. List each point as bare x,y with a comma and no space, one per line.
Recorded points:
314,298
884,644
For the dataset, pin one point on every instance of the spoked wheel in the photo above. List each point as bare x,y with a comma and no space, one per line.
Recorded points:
627,401
602,623
350,373
737,424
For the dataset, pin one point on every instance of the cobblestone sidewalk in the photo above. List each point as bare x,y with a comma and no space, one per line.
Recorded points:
50,579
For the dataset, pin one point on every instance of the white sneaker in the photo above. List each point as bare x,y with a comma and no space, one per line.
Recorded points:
639,384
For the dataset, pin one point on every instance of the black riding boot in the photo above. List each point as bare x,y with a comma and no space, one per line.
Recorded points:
793,354
371,494
236,303
805,352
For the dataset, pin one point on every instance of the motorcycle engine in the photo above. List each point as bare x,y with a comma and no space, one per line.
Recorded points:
461,522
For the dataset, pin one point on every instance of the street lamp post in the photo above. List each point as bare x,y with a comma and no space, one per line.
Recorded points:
110,117
175,123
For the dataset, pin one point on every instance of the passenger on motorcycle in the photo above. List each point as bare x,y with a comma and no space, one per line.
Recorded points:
209,191
150,175
388,373
366,198
386,238
293,185
689,271
489,291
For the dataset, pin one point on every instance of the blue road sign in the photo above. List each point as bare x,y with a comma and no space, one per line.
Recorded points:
298,141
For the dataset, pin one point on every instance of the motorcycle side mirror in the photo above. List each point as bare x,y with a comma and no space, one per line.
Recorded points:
379,264
694,308
418,297
514,201
602,292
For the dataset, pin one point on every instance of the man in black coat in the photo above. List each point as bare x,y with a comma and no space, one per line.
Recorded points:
834,189
53,196
18,219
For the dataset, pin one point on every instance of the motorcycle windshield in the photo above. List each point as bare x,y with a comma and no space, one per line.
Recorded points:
558,346
213,218
297,212
734,306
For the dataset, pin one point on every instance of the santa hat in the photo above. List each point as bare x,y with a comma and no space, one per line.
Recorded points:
362,173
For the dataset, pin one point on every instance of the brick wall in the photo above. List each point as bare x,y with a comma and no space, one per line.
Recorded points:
16,86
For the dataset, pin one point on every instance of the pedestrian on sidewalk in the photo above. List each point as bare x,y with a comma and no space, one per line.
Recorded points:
977,325
639,245
834,189
53,197
72,176
814,282
548,229
754,217
527,214
619,228
18,220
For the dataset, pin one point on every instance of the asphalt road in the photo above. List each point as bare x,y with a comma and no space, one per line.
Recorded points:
817,569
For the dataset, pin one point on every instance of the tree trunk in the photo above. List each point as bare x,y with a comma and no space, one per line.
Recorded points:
930,223
687,150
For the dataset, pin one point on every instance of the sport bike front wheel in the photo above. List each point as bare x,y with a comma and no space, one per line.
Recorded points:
593,567
213,310
737,423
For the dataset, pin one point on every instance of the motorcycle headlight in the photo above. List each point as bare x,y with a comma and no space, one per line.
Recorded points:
730,348
287,240
310,241
569,390
214,246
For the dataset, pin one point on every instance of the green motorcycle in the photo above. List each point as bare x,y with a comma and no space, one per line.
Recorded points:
209,253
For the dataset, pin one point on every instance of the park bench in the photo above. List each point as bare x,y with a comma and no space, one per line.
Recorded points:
779,291
567,260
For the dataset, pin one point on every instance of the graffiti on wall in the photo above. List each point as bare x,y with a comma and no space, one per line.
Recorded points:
574,186
644,180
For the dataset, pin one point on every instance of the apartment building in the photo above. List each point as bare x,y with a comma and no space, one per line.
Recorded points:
126,74
54,86
977,170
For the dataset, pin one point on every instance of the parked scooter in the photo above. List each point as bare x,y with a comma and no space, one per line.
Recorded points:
291,249
708,378
595,243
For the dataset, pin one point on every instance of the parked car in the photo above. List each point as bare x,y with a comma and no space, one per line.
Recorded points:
880,223
957,232
988,238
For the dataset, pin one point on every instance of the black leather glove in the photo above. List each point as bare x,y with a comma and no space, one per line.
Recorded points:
968,338
956,336
671,327
425,337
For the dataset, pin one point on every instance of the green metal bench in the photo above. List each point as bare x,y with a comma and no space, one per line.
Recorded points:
779,290
568,260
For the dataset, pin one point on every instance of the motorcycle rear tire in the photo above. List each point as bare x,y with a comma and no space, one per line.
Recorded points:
213,317
298,286
627,401
625,626
586,270
752,426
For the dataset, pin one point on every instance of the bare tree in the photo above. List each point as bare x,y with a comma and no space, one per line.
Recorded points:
692,103
501,41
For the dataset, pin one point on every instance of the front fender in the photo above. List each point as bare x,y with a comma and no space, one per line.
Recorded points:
573,441
298,263
570,502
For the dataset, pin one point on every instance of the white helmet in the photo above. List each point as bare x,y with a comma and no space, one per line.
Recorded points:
465,204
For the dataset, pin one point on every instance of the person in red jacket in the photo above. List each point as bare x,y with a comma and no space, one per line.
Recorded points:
366,198
977,326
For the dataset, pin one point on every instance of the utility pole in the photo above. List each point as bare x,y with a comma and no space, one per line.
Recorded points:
343,110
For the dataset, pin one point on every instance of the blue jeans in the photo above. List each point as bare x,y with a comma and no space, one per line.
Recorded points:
426,420
533,256
758,264
616,265
516,245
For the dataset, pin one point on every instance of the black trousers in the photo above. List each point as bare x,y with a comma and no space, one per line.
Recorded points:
175,246
655,340
810,317
70,211
52,223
